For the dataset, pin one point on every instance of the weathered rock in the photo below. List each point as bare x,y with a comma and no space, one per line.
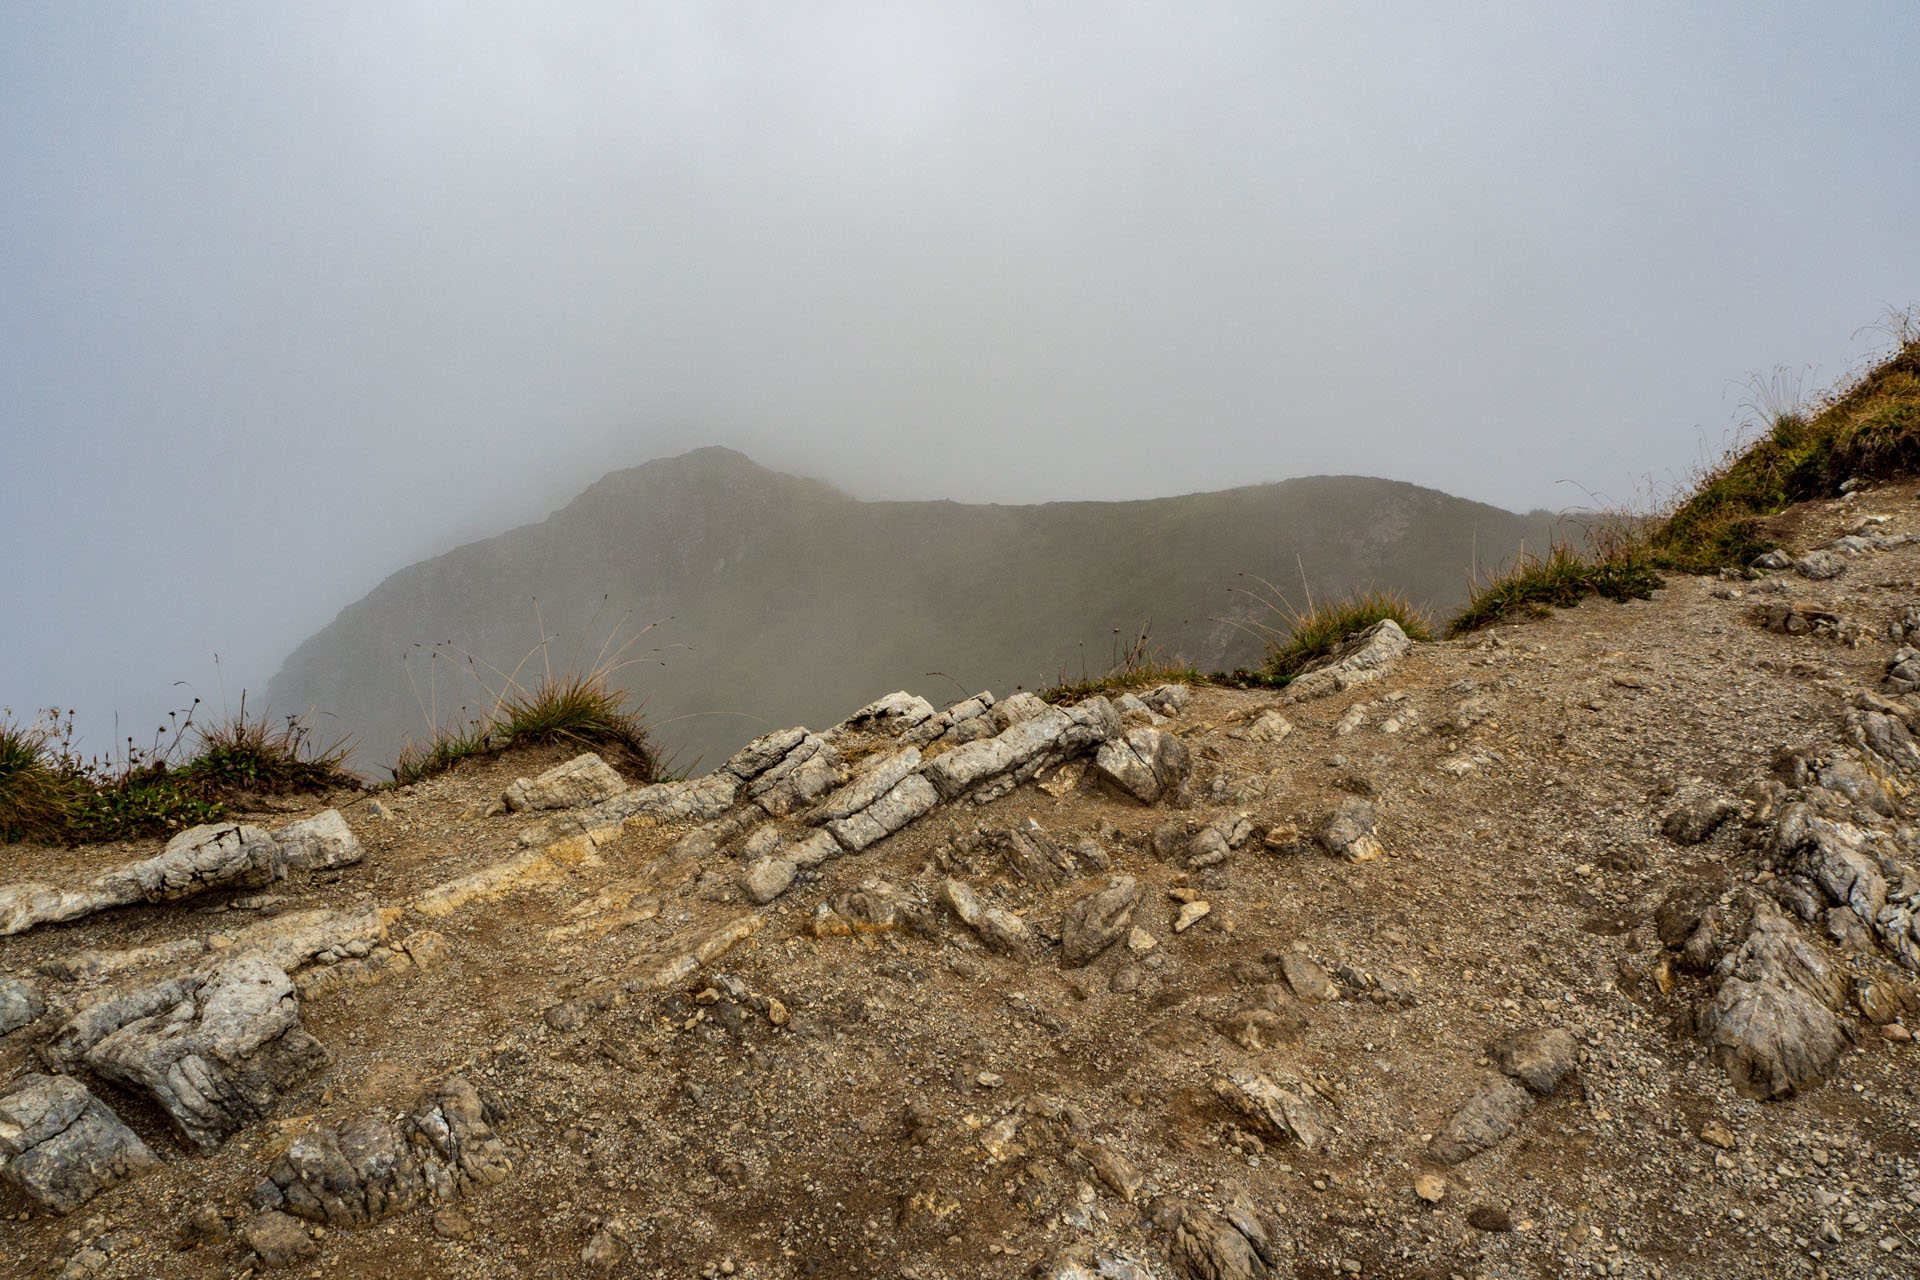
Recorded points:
1191,913
279,1241
1820,565
1000,930
445,1147
20,1003
891,714
1147,764
61,1146
1538,1059
586,779
1207,1246
1269,726
1484,1119
1168,699
768,878
316,843
1096,921
212,856
1308,980
1349,833
1119,1174
908,799
1886,736
217,1060
602,1251
765,751
1771,1023
1358,660
1032,854
878,778
1283,1108
1695,814
874,906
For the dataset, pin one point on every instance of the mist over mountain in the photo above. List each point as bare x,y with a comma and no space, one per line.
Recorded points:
790,602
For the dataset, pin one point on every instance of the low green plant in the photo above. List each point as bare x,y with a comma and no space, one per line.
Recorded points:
1532,585
50,794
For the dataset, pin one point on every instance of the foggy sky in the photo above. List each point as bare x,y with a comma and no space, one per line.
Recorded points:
292,295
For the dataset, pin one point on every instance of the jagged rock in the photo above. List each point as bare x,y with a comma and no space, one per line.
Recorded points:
1885,736
1695,814
1020,707
1308,980
909,798
1264,1027
1774,560
1133,711
1284,1108
1485,1118
279,1241
443,1148
1095,922
602,1251
211,856
1771,1023
765,751
216,1060
1000,930
1207,1246
1820,565
586,779
768,878
874,781
874,906
61,1146
1849,778
1903,670
1538,1059
1358,660
893,714
1349,833
1168,699
1147,764
20,1003
1033,856
319,842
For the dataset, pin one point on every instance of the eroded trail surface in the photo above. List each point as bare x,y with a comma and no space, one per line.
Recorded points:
1580,946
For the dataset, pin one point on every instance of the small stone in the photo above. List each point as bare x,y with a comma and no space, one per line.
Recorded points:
1430,1187
1895,1032
451,1224
777,1013
988,1080
1715,1134
1191,914
601,1252
280,1240
1139,941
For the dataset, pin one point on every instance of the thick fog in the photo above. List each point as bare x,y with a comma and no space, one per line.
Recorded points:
292,295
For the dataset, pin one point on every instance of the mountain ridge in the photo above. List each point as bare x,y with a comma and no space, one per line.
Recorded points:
766,575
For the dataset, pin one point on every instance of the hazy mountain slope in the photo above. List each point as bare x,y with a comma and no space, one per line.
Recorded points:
795,601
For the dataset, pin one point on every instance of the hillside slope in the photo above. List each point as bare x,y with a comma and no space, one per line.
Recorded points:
790,601
1619,982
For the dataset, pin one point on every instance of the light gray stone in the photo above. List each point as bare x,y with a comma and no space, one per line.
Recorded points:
1358,660
1771,1024
1540,1059
1000,930
1285,1107
316,843
1147,764
217,1060
874,781
909,798
1350,832
763,753
584,780
61,1146
768,878
20,1003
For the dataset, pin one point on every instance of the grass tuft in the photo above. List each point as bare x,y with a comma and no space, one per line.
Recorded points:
1139,665
1534,585
1869,430
1314,634
35,796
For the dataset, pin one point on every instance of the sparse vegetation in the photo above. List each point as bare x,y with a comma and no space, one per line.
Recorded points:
1533,585
1137,665
571,705
190,774
1868,429
1320,629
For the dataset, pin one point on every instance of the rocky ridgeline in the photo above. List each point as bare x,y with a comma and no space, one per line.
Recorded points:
1018,989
